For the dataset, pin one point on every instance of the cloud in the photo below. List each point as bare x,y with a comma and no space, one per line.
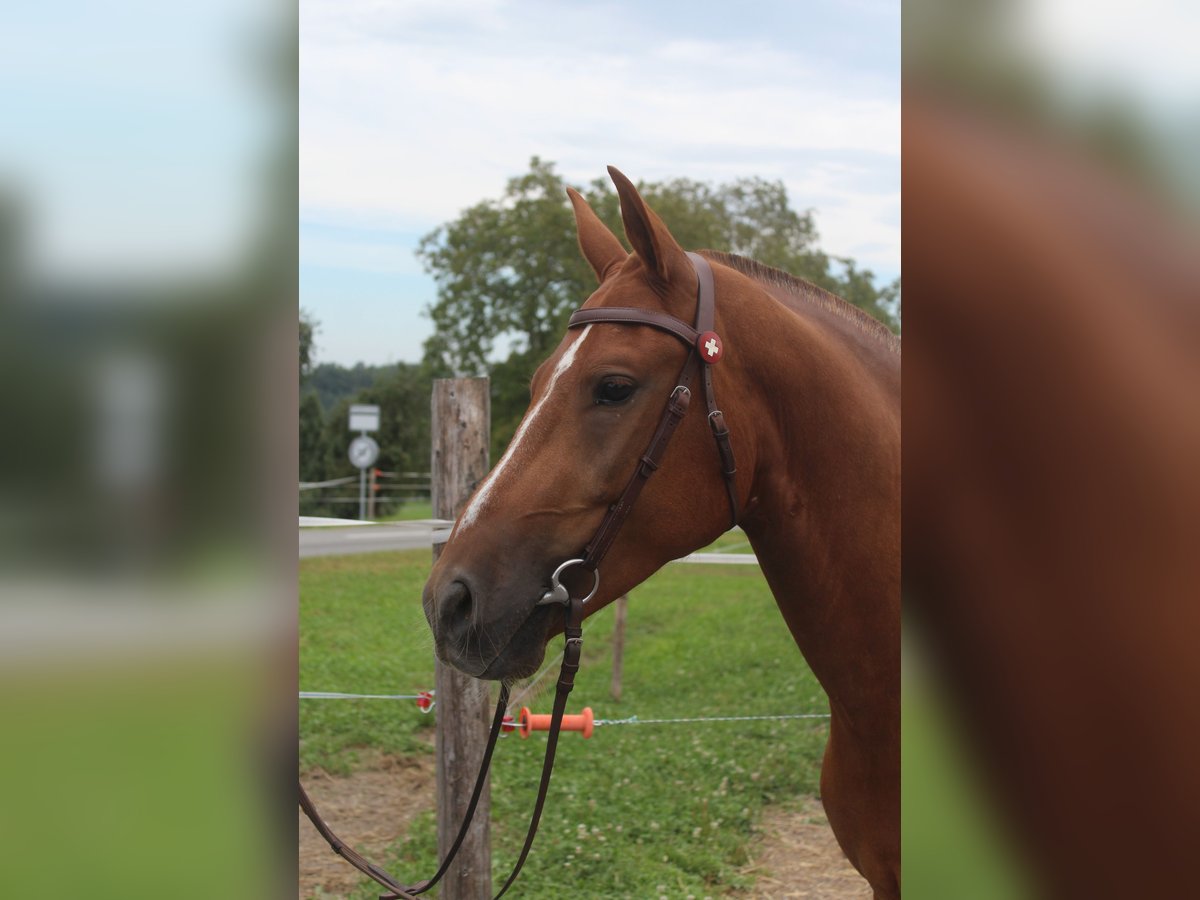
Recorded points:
410,112
414,124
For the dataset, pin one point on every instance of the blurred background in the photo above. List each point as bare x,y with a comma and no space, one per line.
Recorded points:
147,448
148,348
1051,496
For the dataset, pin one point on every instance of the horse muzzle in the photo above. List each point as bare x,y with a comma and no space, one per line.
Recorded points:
504,641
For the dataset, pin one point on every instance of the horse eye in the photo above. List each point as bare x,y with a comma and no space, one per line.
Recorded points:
611,391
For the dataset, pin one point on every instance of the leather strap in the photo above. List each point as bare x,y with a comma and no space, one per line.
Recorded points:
631,315
706,321
375,872
566,682
677,407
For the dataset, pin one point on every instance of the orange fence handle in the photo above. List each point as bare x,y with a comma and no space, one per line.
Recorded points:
531,723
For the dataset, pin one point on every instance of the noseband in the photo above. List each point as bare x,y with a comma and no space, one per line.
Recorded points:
706,351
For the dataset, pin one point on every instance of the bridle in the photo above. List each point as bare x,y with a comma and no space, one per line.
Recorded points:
706,350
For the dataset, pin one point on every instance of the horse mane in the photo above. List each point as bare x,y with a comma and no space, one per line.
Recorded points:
809,293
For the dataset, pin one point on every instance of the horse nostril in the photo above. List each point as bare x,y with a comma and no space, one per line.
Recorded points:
455,603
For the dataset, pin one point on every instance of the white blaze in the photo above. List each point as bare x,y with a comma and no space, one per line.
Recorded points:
480,501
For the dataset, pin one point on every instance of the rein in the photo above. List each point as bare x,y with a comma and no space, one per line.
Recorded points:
566,681
706,350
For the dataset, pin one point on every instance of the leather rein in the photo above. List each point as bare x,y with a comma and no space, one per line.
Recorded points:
706,350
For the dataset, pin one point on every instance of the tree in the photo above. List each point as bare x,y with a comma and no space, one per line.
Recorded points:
508,267
311,432
509,272
332,382
402,396
308,329
857,286
311,439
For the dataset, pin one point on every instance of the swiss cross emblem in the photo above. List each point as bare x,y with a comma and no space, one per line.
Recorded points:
710,347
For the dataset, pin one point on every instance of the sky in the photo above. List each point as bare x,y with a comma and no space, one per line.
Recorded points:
412,111
134,134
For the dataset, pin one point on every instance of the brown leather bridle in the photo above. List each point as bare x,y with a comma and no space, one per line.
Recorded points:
706,350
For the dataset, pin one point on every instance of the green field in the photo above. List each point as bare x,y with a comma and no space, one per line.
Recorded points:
415,508
637,810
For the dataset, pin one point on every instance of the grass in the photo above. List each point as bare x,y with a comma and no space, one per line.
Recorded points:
117,775
733,541
953,843
362,631
408,511
637,810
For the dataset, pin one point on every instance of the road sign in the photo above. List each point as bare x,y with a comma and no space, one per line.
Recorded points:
364,417
363,451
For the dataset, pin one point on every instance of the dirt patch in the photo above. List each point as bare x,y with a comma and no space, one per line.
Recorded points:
796,856
369,809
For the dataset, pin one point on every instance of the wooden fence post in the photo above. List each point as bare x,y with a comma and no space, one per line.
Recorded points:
461,430
618,658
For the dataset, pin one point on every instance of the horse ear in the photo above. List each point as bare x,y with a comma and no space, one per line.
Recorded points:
601,248
646,232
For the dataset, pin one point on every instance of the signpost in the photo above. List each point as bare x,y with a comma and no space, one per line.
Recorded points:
363,450
364,417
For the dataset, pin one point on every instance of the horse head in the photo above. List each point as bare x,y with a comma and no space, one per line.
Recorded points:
595,405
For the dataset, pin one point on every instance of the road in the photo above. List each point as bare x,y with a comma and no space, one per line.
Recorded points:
347,539
344,540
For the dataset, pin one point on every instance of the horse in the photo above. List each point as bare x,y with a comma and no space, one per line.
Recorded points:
1052,516
810,394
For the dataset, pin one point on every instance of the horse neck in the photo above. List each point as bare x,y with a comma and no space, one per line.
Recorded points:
824,509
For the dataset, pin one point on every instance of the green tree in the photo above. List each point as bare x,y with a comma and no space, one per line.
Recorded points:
509,272
308,329
312,439
332,382
508,267
311,431
402,396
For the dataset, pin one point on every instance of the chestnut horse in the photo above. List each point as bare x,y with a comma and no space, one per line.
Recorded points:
810,390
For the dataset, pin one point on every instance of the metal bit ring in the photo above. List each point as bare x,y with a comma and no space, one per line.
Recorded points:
558,591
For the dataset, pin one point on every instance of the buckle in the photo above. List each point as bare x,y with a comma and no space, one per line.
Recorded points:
680,400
